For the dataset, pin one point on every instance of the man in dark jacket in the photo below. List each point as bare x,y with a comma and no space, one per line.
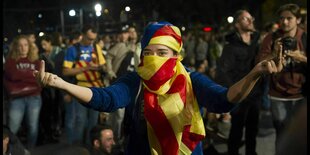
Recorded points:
237,60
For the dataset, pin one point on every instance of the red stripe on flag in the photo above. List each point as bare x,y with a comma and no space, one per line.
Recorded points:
93,73
86,75
96,80
167,31
160,124
191,139
100,83
179,86
164,73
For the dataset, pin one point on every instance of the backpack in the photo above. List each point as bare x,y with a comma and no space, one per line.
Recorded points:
126,66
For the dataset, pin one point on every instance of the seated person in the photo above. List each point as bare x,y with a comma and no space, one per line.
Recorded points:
102,140
11,144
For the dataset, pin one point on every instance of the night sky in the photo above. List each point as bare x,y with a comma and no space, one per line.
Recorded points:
23,14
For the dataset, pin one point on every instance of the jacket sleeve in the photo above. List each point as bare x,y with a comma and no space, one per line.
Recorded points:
116,96
209,94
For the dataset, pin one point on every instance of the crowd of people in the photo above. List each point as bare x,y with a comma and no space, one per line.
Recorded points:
135,91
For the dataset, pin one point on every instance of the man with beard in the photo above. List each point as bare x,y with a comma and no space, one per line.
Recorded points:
237,60
102,140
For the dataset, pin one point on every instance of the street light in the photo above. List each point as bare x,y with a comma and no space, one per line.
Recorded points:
98,13
98,7
183,28
106,11
230,19
72,13
41,34
127,8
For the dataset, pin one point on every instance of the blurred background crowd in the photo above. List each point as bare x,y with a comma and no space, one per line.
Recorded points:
51,28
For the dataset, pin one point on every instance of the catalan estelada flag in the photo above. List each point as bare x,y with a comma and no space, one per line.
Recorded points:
87,56
174,122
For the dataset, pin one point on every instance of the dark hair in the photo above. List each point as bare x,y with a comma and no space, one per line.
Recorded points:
238,14
89,27
55,38
47,38
74,35
293,8
95,132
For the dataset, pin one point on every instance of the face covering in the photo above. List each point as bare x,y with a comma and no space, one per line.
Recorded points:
170,107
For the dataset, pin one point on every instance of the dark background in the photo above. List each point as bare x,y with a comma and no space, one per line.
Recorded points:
23,14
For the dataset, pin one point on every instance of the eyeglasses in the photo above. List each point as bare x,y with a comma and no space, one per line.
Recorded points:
250,19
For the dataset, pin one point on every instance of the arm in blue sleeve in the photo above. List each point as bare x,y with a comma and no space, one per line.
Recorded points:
209,94
118,95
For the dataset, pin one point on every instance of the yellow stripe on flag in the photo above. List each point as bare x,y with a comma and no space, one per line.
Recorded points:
168,40
184,150
100,55
68,64
153,141
151,69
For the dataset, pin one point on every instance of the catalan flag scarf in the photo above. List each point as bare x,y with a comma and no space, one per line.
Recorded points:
174,122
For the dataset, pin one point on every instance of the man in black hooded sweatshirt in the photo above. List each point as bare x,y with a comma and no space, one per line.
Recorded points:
237,60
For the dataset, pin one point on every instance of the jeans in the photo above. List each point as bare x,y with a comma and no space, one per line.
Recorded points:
79,120
282,112
266,102
31,107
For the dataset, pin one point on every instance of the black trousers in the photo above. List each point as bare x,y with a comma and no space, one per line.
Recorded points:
245,116
50,116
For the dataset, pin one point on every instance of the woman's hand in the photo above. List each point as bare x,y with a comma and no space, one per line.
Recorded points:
48,79
273,65
240,90
83,94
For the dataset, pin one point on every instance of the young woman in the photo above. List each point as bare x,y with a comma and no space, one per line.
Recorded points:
21,61
163,97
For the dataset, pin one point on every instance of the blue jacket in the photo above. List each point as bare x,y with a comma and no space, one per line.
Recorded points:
125,91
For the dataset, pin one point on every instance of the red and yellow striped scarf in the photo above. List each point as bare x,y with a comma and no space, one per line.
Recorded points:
174,122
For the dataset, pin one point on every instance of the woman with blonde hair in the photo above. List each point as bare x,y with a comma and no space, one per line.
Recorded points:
21,87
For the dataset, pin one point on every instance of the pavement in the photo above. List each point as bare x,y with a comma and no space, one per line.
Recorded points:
265,140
